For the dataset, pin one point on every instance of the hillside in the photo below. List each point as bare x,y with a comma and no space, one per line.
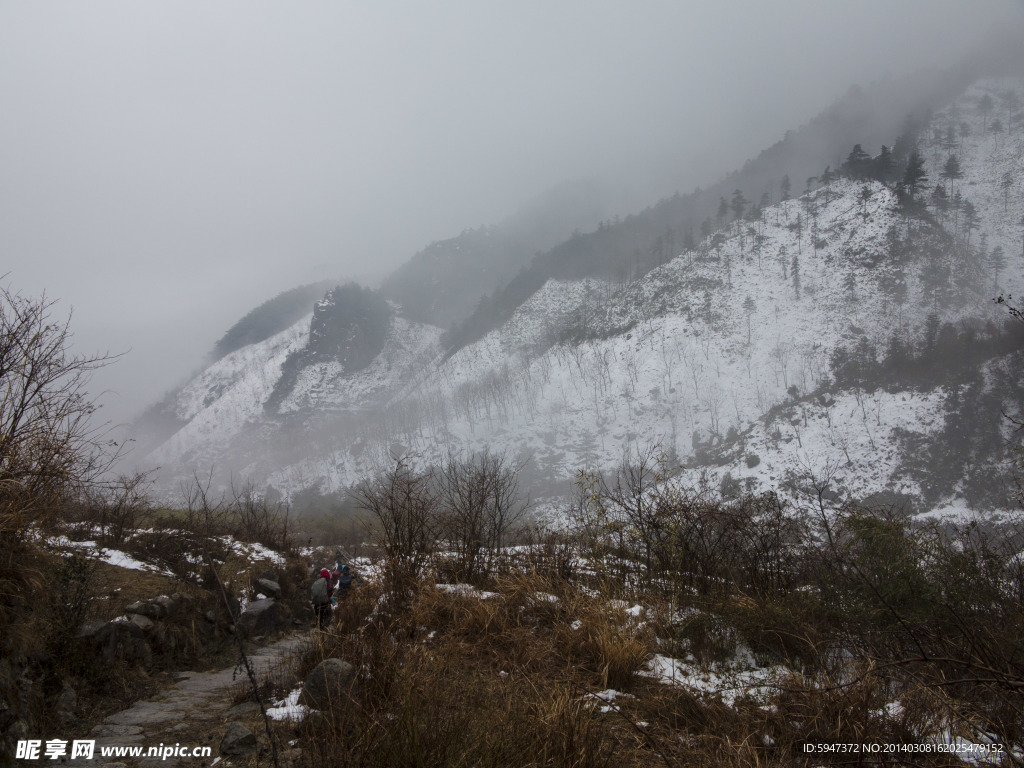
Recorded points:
443,283
763,356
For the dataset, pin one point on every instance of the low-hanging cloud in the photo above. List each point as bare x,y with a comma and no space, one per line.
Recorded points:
164,167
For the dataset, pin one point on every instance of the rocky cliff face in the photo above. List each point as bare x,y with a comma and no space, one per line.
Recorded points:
350,325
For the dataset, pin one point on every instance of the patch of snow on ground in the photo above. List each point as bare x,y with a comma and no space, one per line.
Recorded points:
112,556
607,697
466,590
252,550
288,708
725,681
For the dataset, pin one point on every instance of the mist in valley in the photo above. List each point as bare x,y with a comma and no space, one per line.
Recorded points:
167,168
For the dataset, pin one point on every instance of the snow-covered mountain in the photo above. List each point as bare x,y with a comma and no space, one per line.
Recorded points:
760,358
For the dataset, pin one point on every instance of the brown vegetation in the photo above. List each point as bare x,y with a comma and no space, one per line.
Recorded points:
867,628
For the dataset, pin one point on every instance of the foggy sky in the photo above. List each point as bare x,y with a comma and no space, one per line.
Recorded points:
167,166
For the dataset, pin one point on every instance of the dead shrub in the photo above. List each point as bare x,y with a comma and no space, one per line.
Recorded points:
117,507
251,517
609,643
479,508
442,709
568,733
706,635
404,506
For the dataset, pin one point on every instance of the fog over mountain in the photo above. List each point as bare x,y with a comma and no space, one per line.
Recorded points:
164,168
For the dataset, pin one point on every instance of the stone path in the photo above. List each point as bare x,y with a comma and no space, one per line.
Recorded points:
195,705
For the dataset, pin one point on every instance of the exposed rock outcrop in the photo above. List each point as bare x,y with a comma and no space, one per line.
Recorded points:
238,740
261,617
330,684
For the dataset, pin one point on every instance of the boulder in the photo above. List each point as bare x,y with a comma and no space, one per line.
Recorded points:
261,617
166,604
118,641
269,588
238,740
142,622
148,608
331,683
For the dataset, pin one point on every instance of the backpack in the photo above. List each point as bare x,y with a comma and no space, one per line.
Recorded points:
320,593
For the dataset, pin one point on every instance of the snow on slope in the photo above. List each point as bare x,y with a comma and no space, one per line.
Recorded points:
409,347
693,356
684,367
986,158
682,358
221,400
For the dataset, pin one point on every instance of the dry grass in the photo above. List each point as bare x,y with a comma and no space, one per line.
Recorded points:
454,679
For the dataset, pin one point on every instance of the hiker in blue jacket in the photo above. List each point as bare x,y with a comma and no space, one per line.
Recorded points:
344,578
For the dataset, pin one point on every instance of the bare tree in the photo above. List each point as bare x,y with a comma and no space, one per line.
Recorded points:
630,497
480,504
119,506
253,518
50,444
405,505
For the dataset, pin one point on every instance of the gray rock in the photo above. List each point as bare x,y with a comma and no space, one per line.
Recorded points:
142,622
210,616
149,609
238,740
121,641
261,617
245,708
166,604
330,684
269,588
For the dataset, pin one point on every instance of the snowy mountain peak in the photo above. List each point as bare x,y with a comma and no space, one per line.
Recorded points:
770,351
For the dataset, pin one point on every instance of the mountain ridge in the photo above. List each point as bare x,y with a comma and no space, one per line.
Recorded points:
700,354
